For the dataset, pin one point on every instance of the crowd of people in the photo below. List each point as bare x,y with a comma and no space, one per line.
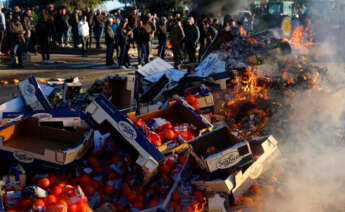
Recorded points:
23,32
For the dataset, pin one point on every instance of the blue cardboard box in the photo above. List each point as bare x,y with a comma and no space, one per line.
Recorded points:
103,113
33,95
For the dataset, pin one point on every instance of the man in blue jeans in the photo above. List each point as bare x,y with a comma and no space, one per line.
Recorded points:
99,24
142,38
110,42
162,35
17,39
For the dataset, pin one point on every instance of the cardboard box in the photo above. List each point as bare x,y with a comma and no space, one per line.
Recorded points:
220,151
33,94
41,147
58,117
106,118
123,90
206,104
238,182
18,105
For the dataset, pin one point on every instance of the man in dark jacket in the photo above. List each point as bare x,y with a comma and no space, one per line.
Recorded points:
176,38
46,32
99,23
17,40
110,42
74,20
90,20
191,39
123,33
141,37
2,29
203,27
162,36
62,25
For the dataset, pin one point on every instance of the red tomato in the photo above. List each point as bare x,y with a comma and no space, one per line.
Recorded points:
196,105
138,205
82,207
95,183
62,202
155,139
57,190
93,161
50,199
61,184
73,208
44,182
169,134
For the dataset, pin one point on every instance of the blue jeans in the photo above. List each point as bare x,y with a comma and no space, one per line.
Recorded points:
17,50
143,53
26,44
98,36
109,54
64,38
124,57
161,48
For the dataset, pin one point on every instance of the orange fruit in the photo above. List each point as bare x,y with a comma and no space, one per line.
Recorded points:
89,191
25,204
73,208
169,134
39,203
57,190
196,105
191,99
85,180
61,202
82,207
44,182
50,199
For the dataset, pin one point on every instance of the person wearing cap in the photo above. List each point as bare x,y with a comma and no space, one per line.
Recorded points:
110,42
162,36
2,29
84,33
17,39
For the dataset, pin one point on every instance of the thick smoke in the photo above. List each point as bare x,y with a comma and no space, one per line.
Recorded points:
314,143
220,7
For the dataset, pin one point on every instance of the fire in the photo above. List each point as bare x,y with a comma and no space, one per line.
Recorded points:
301,40
197,206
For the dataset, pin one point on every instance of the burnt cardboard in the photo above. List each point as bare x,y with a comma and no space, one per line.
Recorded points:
105,117
206,104
33,95
123,90
229,152
239,181
31,144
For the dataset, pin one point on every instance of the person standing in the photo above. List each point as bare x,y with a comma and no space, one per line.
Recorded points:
98,27
124,32
133,23
45,30
110,42
212,31
83,30
191,39
74,20
17,40
151,29
62,27
176,38
90,19
2,29
29,26
141,37
162,36
203,27
116,45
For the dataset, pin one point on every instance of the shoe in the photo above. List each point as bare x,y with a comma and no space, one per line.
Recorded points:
123,67
62,45
68,45
2,54
139,66
79,45
50,61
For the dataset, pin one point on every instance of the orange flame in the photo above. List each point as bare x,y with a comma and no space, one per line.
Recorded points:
300,40
197,206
